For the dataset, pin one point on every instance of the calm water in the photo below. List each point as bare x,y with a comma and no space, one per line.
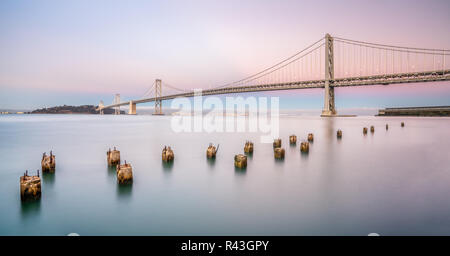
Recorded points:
394,182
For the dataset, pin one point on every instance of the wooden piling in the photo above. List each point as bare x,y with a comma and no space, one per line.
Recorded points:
211,151
293,139
240,161
304,147
372,129
113,157
339,134
278,153
30,187
48,163
310,137
167,154
248,148
365,130
277,143
124,173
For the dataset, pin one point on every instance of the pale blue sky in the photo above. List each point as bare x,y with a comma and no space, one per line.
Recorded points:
79,52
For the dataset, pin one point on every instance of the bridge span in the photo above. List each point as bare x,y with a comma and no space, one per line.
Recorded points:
357,64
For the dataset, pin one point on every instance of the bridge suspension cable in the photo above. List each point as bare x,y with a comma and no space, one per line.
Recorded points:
148,92
268,70
383,59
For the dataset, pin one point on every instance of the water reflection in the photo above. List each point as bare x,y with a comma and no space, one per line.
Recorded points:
278,161
211,161
124,190
48,179
304,155
329,128
111,170
240,171
167,167
30,208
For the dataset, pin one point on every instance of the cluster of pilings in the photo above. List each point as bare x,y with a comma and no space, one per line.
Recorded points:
30,185
372,128
124,172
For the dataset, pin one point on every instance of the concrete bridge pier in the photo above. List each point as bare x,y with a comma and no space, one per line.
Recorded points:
132,109
100,106
328,107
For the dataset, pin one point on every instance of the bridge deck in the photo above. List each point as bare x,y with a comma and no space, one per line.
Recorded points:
414,77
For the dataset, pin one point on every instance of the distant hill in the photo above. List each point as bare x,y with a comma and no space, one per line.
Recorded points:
84,109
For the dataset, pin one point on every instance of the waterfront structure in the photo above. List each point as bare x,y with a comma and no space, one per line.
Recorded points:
303,70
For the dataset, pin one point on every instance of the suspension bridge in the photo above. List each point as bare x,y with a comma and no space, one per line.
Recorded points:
327,63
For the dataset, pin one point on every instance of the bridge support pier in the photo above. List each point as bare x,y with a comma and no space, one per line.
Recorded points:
328,107
132,109
100,107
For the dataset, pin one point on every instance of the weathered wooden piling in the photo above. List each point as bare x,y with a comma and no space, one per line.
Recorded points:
248,148
167,154
240,161
403,124
339,134
48,163
293,139
124,173
113,156
310,137
278,153
211,151
30,187
387,126
304,147
277,143
365,130
372,129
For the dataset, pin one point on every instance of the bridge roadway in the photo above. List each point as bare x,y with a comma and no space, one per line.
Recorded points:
413,77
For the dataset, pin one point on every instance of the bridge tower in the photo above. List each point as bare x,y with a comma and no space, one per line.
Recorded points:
329,108
158,94
117,100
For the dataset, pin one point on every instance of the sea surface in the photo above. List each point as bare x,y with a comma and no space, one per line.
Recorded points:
392,182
